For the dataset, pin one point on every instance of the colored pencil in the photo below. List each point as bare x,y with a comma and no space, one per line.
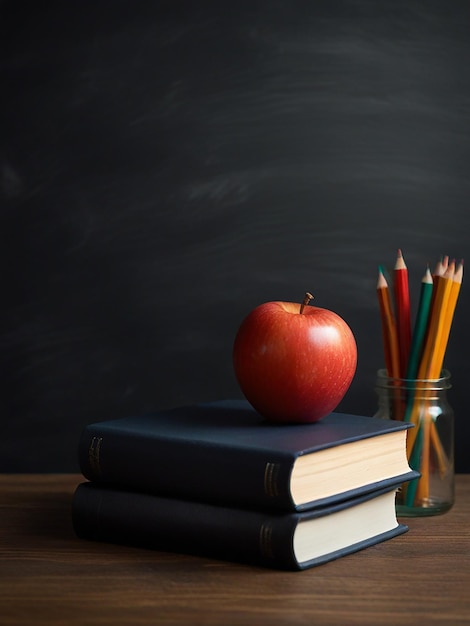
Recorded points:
419,330
448,319
439,270
415,460
429,361
389,331
402,311
422,488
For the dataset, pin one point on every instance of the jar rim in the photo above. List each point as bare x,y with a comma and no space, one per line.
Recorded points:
386,381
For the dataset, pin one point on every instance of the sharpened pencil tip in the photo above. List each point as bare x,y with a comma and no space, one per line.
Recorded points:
427,278
381,281
400,262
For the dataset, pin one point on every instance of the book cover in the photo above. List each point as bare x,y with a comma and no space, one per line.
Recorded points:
290,541
225,452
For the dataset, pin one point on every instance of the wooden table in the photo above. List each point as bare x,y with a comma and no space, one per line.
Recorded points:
48,576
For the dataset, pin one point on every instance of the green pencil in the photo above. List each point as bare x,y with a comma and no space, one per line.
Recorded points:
415,462
418,336
420,326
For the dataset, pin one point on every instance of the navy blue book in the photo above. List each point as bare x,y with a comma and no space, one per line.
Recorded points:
291,541
226,453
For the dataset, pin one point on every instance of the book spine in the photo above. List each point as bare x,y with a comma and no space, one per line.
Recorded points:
186,469
152,522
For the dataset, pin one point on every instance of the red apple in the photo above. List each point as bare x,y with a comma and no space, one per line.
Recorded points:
294,363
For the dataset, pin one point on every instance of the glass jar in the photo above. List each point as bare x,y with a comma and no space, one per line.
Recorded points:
430,444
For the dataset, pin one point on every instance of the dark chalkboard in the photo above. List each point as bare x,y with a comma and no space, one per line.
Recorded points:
167,166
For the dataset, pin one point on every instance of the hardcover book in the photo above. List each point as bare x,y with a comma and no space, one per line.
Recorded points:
226,453
292,541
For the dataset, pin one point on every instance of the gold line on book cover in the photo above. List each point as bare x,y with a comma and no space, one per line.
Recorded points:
94,455
265,541
271,473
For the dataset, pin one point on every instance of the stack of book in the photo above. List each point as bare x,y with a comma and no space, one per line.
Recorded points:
217,480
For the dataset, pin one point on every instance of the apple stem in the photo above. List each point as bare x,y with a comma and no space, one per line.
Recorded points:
307,298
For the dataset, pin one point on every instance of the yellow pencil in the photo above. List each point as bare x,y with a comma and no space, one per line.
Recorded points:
422,490
430,358
438,360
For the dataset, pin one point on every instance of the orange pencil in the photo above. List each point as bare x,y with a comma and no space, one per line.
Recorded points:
422,489
439,270
402,311
438,360
389,331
